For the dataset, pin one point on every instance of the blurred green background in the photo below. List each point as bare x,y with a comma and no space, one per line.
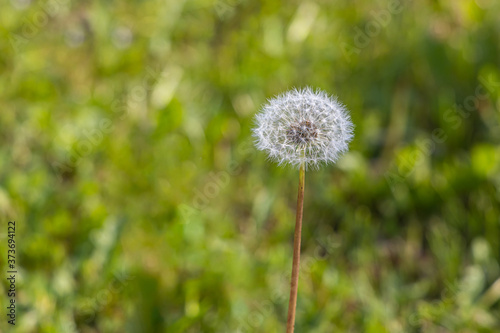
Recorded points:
141,204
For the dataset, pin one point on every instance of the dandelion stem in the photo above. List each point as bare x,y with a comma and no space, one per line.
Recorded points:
296,253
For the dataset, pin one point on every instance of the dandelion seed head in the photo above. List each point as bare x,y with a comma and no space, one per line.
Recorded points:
303,126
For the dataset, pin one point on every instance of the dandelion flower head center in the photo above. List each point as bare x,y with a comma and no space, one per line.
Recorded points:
302,133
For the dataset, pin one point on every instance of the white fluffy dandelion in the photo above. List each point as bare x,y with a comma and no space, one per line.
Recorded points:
303,127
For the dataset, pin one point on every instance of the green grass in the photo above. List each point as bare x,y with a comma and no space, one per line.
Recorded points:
141,205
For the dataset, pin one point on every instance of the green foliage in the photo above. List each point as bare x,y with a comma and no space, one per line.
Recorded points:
141,205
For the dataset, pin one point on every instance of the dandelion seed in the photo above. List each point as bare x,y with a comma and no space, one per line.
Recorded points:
303,126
